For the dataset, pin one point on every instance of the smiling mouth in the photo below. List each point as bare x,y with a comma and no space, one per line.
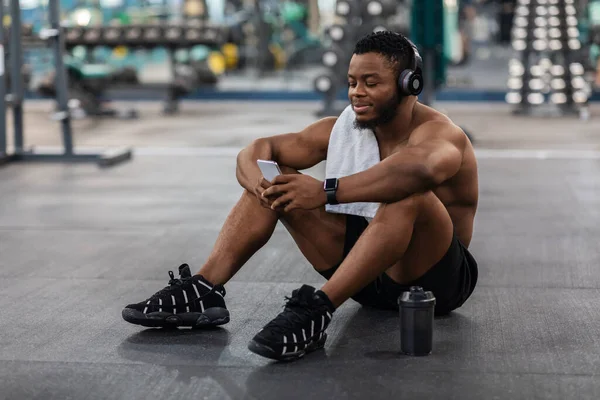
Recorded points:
360,108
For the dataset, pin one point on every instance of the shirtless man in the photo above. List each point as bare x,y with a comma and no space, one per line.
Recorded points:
426,186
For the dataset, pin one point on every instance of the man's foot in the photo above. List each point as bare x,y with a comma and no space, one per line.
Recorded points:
187,301
298,329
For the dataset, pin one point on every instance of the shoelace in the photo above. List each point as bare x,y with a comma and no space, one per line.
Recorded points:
295,312
174,283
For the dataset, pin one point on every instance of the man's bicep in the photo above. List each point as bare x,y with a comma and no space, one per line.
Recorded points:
304,149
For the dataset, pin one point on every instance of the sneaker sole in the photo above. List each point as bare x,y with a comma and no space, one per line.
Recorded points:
210,317
266,351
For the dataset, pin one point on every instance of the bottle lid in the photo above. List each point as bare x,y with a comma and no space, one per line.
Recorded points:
417,295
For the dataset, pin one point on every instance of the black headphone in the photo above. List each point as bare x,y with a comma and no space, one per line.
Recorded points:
410,81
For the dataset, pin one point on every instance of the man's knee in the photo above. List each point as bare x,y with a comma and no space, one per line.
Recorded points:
318,234
408,207
288,170
423,209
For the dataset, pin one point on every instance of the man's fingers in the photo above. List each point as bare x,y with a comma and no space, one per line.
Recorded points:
275,190
291,206
263,201
264,183
280,179
281,201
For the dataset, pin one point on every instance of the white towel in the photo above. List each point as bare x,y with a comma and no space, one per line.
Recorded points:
351,150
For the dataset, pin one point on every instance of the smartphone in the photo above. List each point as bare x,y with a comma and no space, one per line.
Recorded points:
269,169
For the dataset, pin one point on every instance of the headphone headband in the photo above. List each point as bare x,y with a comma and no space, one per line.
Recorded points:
417,61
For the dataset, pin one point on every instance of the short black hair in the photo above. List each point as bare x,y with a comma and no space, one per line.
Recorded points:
395,47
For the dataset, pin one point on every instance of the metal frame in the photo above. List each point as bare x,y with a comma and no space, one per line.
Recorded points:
331,106
3,157
54,35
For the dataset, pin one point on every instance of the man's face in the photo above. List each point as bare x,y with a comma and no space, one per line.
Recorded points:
372,90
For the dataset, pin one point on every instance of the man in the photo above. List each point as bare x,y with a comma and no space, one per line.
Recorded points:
404,218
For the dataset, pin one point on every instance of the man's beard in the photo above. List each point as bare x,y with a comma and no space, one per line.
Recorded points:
387,112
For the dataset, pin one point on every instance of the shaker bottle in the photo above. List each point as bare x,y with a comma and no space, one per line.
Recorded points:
416,319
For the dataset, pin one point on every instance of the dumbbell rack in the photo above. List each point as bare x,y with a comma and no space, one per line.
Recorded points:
546,77
172,37
359,18
19,153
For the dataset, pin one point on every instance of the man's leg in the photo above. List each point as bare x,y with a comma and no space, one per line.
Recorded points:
404,240
318,234
199,300
248,227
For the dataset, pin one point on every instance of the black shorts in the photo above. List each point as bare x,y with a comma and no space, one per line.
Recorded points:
452,280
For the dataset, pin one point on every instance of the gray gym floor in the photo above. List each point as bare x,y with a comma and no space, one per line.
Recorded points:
77,243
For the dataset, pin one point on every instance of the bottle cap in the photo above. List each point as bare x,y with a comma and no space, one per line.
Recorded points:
417,295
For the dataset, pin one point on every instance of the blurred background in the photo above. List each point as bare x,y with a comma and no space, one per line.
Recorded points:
285,49
106,61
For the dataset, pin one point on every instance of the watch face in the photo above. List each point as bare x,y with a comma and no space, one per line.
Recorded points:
331,184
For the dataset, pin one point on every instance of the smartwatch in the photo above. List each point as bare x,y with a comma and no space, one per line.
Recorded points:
330,186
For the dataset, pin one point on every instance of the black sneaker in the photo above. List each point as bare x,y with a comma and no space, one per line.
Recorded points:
298,329
187,301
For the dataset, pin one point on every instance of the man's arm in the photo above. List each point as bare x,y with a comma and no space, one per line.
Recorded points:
304,149
434,157
300,151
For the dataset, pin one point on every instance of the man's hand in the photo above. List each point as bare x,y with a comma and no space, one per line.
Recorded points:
259,189
296,191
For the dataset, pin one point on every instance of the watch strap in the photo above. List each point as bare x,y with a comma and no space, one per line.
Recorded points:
331,198
330,188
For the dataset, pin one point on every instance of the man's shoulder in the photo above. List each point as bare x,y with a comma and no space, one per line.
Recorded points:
319,128
438,127
326,122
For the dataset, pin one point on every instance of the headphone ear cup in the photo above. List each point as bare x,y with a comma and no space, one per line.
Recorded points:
415,85
404,81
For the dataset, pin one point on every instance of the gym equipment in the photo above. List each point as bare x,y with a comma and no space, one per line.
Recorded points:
593,11
195,9
267,35
185,43
453,44
432,36
86,85
357,18
505,17
184,35
547,76
427,32
258,51
299,45
20,154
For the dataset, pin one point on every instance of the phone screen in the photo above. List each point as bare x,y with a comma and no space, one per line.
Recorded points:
269,169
